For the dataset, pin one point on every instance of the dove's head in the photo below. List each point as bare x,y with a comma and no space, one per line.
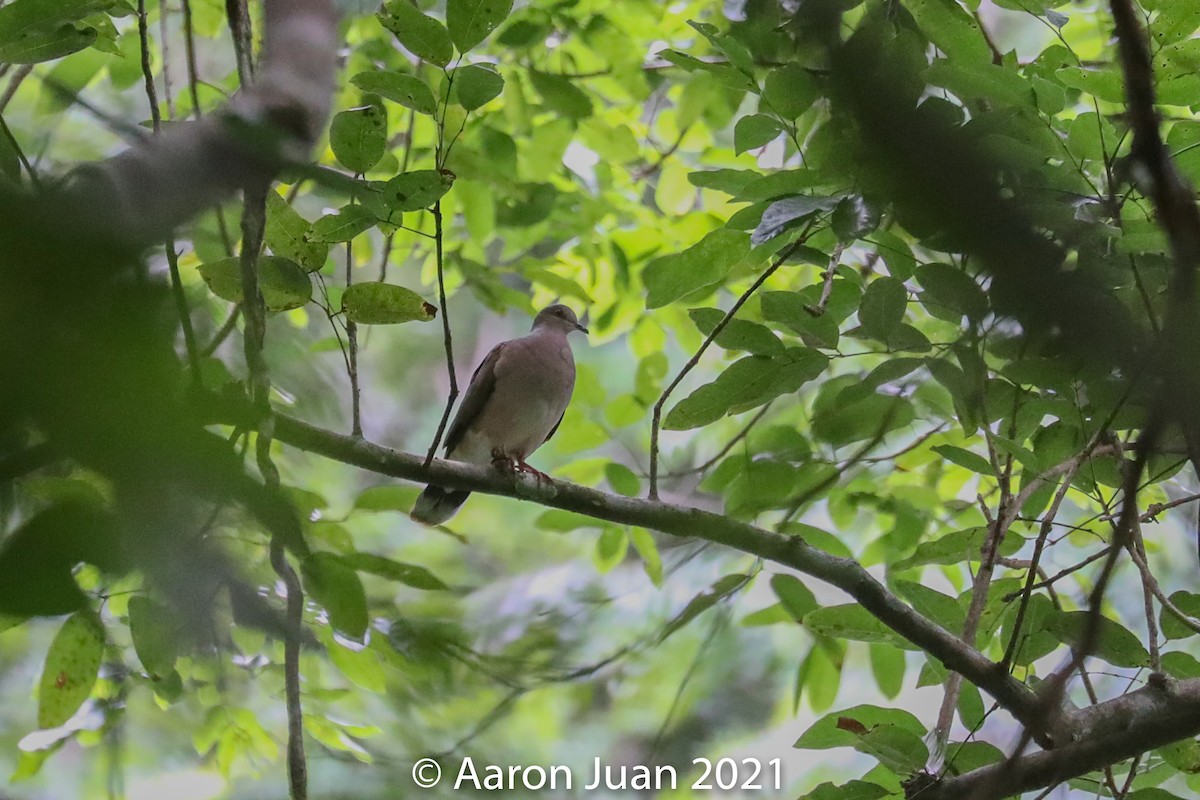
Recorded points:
558,318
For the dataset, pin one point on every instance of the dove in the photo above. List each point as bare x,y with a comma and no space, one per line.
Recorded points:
514,403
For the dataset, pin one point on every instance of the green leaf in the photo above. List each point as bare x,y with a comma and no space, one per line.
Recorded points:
882,309
344,225
941,608
46,45
361,667
887,665
407,90
476,85
71,668
33,31
1117,645
471,21
284,285
852,622
670,277
964,458
611,547
729,181
386,498
704,601
622,479
413,191
336,586
385,304
643,542
409,574
957,547
854,218
790,90
1188,603
872,416
787,213
561,95
900,750
952,288
955,32
1104,84
738,334
561,521
796,598
421,35
745,384
155,636
854,790
37,560
358,137
844,728
754,131
820,675
287,234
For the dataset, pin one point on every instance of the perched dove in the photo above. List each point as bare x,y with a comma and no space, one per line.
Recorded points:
515,402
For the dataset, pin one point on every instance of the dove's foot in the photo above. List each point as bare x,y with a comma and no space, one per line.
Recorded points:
521,466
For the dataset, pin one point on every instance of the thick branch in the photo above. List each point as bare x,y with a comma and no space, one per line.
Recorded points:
1165,711
789,551
141,194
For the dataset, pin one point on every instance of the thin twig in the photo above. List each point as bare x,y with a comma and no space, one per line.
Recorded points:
243,39
16,146
1138,554
189,47
352,340
181,304
446,334
1137,551
254,309
227,327
385,256
14,83
1053,579
163,36
827,284
762,412
656,421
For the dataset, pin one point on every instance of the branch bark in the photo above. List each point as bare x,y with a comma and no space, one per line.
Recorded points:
139,196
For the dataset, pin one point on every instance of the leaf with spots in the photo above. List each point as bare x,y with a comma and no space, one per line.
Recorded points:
72,665
385,304
470,21
413,191
283,284
358,137
421,35
407,90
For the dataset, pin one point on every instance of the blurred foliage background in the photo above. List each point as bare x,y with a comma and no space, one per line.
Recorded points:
883,393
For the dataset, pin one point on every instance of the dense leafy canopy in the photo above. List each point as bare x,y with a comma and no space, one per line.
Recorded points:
883,277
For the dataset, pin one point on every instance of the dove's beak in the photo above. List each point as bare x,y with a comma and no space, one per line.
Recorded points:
579,327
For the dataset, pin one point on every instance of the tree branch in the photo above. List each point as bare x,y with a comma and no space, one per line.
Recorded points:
141,194
1162,712
789,551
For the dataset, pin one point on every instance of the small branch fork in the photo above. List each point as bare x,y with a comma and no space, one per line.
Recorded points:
447,338
656,421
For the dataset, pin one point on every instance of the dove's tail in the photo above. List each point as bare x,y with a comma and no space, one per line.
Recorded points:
435,505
